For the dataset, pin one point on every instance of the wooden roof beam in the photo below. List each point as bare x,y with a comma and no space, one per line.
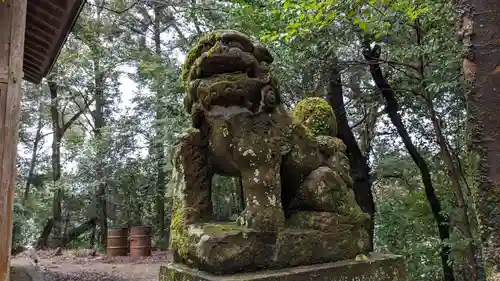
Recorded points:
46,39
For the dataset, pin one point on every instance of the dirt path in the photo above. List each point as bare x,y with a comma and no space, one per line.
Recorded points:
81,266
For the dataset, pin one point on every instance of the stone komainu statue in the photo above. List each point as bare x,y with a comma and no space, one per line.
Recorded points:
299,204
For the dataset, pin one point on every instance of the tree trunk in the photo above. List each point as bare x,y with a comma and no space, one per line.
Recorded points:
158,141
34,153
101,177
53,225
43,239
452,170
59,127
57,134
93,235
359,166
481,67
392,108
77,231
241,195
453,174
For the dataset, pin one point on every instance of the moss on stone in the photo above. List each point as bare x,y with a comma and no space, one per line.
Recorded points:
178,230
317,115
297,128
208,39
228,78
215,228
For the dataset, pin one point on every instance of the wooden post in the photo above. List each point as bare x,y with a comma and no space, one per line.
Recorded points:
12,28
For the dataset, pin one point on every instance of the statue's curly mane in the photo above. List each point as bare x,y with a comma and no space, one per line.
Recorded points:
225,68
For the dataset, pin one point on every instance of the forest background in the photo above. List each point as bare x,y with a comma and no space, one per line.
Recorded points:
95,136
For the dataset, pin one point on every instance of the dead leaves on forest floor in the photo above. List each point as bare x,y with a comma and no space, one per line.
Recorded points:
81,265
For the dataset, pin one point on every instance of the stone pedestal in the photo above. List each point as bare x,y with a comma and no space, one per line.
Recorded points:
379,267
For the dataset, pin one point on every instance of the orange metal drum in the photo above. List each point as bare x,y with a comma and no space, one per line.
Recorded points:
140,241
117,242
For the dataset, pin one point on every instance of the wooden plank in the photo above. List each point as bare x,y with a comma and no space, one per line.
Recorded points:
12,28
60,5
31,65
71,14
5,192
50,8
4,37
38,40
29,69
43,33
31,58
44,15
35,50
30,77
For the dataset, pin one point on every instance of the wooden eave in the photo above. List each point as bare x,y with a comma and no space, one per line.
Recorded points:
48,24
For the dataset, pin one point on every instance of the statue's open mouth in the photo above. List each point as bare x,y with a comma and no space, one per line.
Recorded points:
222,60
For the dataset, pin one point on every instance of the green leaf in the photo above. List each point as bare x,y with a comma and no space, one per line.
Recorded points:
362,25
318,15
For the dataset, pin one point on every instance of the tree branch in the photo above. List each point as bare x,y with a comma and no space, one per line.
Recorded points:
360,121
87,105
112,10
392,109
76,116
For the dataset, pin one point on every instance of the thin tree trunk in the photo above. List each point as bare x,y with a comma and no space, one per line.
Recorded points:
43,239
241,195
57,135
99,125
453,172
158,142
34,153
59,127
93,235
481,68
392,108
77,231
359,166
368,135
464,224
54,224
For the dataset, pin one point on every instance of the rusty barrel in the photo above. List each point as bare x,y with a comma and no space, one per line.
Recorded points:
117,242
140,241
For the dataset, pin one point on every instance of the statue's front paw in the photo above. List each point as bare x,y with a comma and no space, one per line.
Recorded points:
262,219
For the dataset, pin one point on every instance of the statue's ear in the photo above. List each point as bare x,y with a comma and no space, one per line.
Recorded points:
262,53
